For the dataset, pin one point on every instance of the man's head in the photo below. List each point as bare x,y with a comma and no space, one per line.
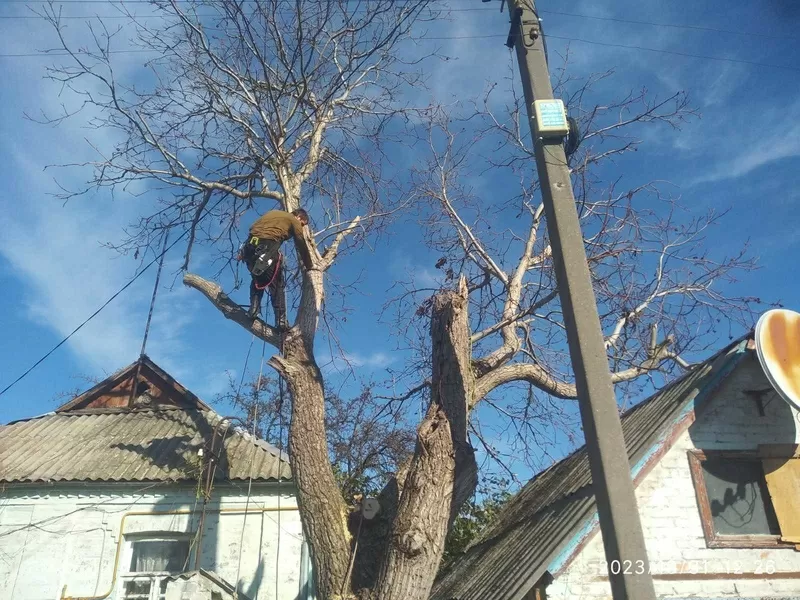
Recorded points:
301,215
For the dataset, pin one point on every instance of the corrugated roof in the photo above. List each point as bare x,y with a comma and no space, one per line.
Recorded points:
130,445
549,510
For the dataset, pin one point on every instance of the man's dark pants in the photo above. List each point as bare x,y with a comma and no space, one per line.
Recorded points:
265,263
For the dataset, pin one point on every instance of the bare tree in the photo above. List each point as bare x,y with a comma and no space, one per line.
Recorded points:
287,103
657,281
367,442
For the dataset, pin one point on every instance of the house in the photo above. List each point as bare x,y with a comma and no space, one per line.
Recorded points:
144,496
717,478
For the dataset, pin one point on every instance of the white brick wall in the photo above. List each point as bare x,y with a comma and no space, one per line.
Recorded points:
195,587
56,536
670,516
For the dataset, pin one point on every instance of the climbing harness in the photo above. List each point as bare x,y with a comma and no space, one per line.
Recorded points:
274,273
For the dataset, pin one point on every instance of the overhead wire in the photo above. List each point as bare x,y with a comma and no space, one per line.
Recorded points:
255,447
676,53
744,32
92,316
686,26
476,37
53,518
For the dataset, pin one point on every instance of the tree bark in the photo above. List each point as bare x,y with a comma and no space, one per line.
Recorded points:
323,511
443,472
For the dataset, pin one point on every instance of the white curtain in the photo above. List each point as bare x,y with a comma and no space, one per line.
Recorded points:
159,556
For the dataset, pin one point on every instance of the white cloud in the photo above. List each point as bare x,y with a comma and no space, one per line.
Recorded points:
55,252
375,360
342,362
749,139
55,249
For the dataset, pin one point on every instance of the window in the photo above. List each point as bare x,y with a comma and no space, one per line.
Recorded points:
738,494
152,560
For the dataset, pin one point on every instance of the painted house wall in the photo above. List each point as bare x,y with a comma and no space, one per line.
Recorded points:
57,536
670,514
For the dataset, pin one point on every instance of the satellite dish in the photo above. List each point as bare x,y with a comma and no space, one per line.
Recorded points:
778,349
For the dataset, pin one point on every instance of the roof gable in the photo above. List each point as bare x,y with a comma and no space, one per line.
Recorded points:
102,436
545,524
154,388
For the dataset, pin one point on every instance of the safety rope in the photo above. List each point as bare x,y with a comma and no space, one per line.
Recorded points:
280,458
280,443
255,449
134,383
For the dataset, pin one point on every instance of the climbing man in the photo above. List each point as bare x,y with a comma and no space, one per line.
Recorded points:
261,253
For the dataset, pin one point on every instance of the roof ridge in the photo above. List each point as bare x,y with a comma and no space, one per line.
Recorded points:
131,370
255,440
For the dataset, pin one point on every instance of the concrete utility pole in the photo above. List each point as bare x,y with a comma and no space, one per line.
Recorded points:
616,503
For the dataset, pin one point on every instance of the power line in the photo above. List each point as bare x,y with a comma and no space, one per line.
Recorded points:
47,53
124,2
50,519
201,16
135,381
687,26
475,37
744,32
676,53
92,316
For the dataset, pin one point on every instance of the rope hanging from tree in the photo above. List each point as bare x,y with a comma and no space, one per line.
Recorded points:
135,381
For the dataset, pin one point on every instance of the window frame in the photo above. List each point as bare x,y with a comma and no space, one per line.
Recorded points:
155,577
714,539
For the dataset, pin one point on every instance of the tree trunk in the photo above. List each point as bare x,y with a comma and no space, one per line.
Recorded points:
323,511
404,545
443,472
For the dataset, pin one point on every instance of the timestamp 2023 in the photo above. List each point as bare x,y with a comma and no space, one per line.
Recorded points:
687,567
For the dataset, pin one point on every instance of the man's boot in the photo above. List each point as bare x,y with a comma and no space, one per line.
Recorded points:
255,302
282,324
276,295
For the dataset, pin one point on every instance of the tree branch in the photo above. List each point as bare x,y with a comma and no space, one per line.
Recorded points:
231,310
536,375
544,381
331,251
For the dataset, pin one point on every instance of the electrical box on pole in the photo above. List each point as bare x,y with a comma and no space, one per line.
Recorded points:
550,118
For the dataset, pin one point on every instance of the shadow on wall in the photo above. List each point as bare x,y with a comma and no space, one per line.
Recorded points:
251,591
179,454
745,433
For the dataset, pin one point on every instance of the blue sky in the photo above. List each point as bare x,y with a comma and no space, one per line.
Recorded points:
742,153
